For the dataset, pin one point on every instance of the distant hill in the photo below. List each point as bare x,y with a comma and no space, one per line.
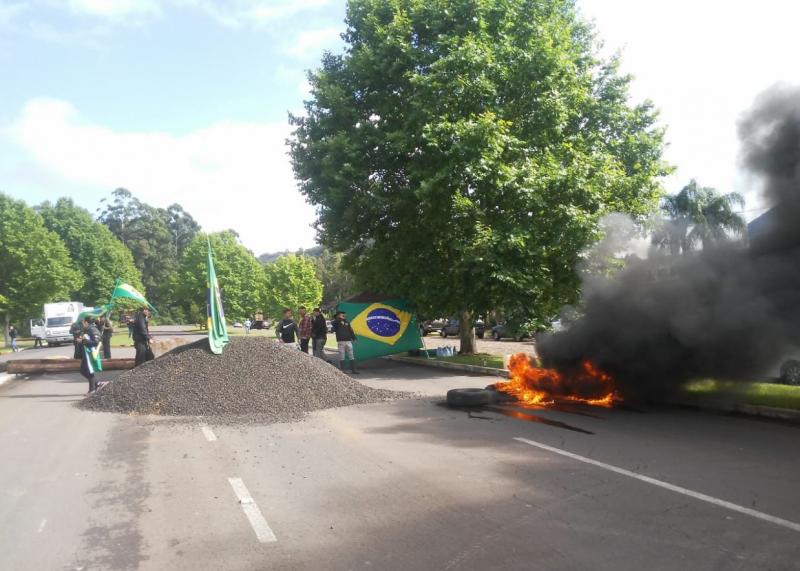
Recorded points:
314,252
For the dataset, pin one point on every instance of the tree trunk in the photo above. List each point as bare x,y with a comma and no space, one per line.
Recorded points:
6,340
467,333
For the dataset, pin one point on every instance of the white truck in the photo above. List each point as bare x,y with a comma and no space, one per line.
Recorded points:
58,317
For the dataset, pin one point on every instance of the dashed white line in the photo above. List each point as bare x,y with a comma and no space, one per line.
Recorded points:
208,433
667,486
41,525
257,522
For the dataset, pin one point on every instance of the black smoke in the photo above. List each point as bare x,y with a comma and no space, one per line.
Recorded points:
731,311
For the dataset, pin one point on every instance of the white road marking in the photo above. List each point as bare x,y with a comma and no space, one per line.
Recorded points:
667,486
41,525
208,433
257,521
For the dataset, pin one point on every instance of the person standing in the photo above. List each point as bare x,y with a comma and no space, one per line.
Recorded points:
107,329
76,330
319,333
304,327
344,340
247,325
287,328
142,337
12,333
89,342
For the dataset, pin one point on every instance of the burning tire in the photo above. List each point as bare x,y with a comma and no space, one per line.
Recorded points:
468,397
790,372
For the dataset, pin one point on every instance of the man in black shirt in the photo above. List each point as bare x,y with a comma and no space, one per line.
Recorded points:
287,327
344,340
319,333
142,337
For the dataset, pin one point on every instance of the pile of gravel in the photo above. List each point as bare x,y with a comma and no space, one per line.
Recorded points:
255,379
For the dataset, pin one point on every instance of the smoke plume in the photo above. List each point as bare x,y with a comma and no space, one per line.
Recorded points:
729,311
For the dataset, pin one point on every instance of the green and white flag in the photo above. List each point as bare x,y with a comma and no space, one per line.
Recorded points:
94,312
127,291
217,329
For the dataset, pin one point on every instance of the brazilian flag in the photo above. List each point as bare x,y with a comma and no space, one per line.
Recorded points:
382,328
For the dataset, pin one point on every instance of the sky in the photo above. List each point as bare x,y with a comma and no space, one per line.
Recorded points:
187,100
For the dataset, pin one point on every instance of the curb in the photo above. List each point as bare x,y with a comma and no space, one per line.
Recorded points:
4,378
491,371
719,406
742,408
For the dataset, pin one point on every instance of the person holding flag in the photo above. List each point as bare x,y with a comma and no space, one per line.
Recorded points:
90,343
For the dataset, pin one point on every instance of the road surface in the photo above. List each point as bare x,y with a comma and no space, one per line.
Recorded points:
403,485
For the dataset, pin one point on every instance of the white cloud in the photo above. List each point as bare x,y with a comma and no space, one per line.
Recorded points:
703,64
228,175
312,42
115,9
9,11
253,13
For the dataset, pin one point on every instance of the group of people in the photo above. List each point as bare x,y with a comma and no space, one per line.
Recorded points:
313,329
90,335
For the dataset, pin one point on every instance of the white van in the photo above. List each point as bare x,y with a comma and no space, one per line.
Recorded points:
58,317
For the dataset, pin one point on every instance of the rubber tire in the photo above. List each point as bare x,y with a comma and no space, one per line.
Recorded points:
479,335
790,372
443,333
495,336
468,397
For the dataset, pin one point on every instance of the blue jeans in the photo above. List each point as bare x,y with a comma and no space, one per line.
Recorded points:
14,344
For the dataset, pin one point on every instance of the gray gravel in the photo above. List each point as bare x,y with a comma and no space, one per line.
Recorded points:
255,379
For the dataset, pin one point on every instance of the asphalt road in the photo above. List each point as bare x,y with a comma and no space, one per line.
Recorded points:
402,485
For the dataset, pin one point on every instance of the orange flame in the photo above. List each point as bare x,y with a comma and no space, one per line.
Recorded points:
534,385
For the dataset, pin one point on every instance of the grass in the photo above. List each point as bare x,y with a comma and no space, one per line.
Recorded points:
756,393
478,359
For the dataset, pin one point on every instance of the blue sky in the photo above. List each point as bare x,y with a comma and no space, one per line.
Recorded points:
186,100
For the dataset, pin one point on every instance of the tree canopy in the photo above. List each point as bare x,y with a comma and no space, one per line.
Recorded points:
96,252
699,215
291,282
240,275
156,237
460,152
36,268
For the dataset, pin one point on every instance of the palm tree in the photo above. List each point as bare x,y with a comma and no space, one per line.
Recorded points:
699,215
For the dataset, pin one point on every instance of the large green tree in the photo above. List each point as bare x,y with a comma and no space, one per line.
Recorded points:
156,237
699,215
240,275
35,267
291,283
99,255
460,152
337,282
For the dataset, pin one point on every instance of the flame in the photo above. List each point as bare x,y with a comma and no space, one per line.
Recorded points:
535,385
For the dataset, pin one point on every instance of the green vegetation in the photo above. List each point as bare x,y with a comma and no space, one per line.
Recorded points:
35,266
460,153
156,238
477,359
97,253
761,394
291,281
699,215
240,276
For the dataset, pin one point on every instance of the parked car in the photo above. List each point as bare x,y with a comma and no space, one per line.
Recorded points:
506,331
453,327
430,326
237,324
